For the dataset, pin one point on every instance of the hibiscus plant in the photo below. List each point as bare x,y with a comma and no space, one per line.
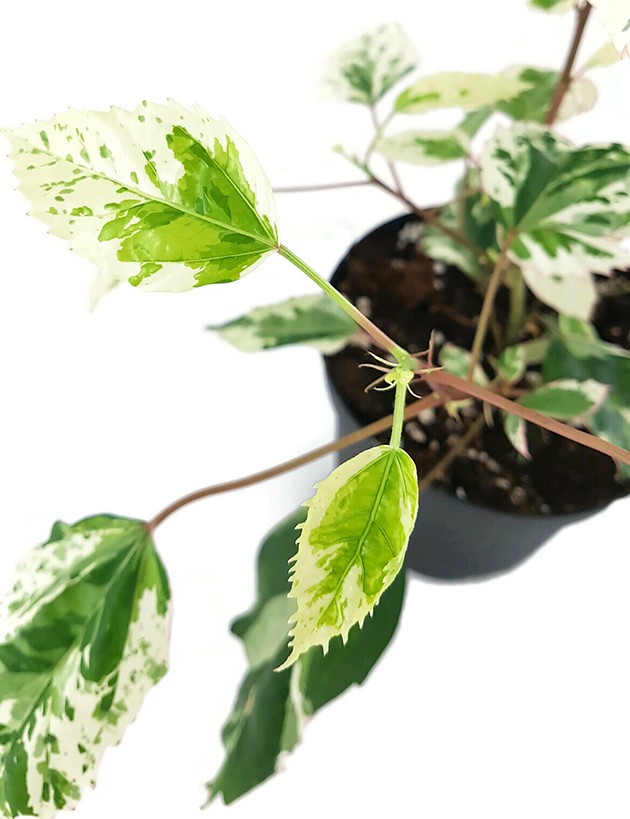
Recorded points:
165,198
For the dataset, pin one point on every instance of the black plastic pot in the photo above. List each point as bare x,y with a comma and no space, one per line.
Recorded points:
455,539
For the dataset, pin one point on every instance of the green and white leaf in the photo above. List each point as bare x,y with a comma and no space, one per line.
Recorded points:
456,360
455,89
514,360
163,197
272,707
351,546
568,207
85,633
366,68
314,320
614,15
605,56
533,103
554,6
424,147
578,353
567,400
515,429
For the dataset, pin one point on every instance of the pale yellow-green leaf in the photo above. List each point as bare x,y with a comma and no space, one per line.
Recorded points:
614,15
602,58
454,89
424,147
351,546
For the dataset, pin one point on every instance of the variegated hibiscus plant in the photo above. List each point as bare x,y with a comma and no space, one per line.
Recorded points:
165,198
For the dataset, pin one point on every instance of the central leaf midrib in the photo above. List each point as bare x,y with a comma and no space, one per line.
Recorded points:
143,194
369,523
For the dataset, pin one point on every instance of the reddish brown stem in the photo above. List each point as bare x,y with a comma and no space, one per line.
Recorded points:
564,81
469,389
359,435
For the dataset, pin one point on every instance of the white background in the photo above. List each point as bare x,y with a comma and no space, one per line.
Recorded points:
507,698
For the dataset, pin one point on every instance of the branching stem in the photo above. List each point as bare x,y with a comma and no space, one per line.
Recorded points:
488,306
356,437
564,81
325,186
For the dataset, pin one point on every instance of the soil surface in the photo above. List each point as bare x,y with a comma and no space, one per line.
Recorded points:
408,295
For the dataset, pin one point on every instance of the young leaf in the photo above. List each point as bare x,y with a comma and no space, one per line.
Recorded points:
533,103
365,69
602,58
424,147
456,360
511,364
271,708
85,633
351,546
313,320
163,197
566,400
516,430
567,207
452,89
614,15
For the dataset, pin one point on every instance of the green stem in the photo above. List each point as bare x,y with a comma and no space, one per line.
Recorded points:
380,338
399,414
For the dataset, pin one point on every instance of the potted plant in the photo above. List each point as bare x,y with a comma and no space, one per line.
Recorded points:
167,198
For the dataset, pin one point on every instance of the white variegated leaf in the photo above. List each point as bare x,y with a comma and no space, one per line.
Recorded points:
313,320
424,147
84,636
516,430
602,58
351,546
533,103
456,360
566,206
163,197
568,399
365,69
454,89
614,15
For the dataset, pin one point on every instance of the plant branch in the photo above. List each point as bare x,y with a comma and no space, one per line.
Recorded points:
356,437
326,186
436,472
379,128
471,390
564,81
376,334
428,215
487,307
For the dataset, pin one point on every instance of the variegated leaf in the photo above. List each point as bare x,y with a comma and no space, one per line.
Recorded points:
456,360
85,633
516,430
511,364
272,708
351,546
566,206
602,58
533,103
566,400
579,353
365,69
163,197
314,320
424,147
453,89
614,15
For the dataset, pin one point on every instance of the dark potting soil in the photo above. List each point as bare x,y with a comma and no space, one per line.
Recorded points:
409,295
